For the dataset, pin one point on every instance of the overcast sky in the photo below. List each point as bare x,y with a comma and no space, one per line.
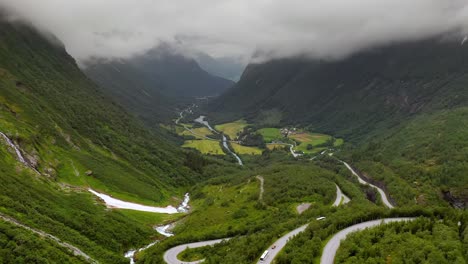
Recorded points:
238,28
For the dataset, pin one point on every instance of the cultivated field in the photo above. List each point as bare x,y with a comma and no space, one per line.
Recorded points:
276,146
199,132
313,139
244,150
270,134
205,146
231,129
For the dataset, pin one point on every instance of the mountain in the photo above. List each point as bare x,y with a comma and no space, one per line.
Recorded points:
60,135
225,67
151,85
371,89
402,109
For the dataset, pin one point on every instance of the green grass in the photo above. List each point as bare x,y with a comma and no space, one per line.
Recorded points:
205,146
149,219
228,206
244,150
200,132
338,142
314,139
276,146
270,134
223,208
418,241
18,245
190,255
58,117
232,129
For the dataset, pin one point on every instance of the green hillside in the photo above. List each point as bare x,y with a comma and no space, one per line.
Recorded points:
74,138
430,150
154,84
374,89
401,108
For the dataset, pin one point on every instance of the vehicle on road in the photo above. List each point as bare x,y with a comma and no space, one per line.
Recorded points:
320,218
264,255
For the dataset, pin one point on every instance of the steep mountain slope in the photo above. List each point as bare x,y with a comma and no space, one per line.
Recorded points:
402,108
59,136
375,88
151,85
138,93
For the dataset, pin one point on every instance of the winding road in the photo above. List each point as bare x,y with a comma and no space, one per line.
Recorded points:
330,249
170,256
383,195
279,244
340,196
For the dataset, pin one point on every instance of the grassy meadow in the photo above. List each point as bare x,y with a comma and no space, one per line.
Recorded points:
199,132
232,129
245,150
205,146
314,139
270,134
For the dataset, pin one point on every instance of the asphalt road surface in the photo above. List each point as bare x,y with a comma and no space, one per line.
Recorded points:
383,195
329,252
279,244
340,195
170,256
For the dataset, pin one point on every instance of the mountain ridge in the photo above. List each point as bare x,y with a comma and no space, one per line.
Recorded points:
390,79
152,85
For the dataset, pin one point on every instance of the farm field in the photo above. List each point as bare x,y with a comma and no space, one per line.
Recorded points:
313,139
276,146
199,132
244,150
205,146
232,129
270,134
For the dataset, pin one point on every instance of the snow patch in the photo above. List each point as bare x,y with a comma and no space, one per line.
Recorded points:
116,203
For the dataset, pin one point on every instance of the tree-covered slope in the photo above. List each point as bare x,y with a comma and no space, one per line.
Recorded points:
429,152
376,88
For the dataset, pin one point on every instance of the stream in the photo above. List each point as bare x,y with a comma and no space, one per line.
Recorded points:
18,152
202,121
226,146
163,230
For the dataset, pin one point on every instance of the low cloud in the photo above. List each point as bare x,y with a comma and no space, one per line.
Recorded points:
239,28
